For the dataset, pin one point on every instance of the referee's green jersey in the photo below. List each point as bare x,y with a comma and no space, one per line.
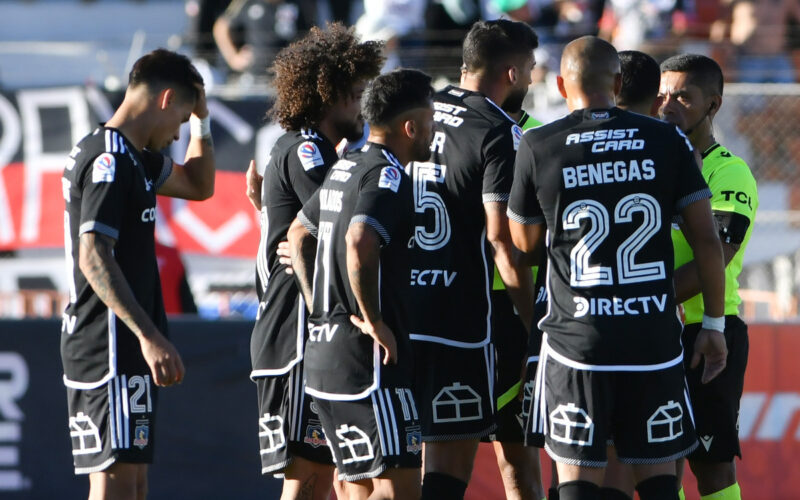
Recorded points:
733,189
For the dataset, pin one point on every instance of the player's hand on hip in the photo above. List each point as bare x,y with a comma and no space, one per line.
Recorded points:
382,334
711,345
254,185
163,359
285,256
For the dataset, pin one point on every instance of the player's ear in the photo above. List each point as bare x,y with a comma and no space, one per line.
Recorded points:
561,89
165,98
410,128
713,108
657,102
512,74
617,83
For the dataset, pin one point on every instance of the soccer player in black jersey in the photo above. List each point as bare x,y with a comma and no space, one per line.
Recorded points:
605,184
691,89
113,336
352,236
318,82
460,197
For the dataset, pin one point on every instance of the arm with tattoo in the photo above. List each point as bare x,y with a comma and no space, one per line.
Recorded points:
303,249
96,262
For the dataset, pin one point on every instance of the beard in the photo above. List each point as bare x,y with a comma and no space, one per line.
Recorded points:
422,150
352,130
513,102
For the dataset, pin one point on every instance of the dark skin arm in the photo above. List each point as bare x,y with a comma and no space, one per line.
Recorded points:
701,233
516,276
363,258
303,249
96,262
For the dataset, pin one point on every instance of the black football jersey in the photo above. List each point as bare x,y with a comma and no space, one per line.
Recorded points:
109,188
297,165
472,162
367,186
608,184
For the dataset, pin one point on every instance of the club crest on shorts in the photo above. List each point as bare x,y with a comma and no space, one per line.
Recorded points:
390,178
103,168
310,155
413,440
141,434
315,436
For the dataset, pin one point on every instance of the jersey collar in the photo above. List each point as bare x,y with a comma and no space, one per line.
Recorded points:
709,150
386,152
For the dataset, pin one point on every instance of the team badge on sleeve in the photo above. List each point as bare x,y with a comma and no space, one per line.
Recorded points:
103,168
310,156
516,132
390,178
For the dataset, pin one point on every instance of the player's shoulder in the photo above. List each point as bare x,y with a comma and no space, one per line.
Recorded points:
381,169
305,148
718,157
103,151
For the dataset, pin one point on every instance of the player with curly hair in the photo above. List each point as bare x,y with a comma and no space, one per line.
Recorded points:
318,82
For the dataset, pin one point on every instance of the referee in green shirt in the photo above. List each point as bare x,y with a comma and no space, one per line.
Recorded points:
691,88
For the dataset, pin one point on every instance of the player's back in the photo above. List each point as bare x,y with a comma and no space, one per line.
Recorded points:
608,184
451,261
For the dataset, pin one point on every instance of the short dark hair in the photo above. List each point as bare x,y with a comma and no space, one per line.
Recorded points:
641,77
163,68
315,71
394,93
703,71
490,43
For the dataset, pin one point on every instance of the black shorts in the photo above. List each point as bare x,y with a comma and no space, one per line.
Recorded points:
455,391
288,423
716,404
647,413
373,434
510,342
112,423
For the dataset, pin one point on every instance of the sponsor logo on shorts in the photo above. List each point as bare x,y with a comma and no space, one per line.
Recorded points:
315,436
666,423
355,444
271,430
571,424
457,403
141,434
85,435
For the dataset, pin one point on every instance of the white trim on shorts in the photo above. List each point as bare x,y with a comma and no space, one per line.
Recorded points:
301,321
608,368
97,468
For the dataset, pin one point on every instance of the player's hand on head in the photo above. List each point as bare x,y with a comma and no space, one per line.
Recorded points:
285,256
163,359
253,185
711,345
201,105
382,334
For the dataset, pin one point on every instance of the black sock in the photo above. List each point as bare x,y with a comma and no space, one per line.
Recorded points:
438,486
578,490
613,494
552,493
659,488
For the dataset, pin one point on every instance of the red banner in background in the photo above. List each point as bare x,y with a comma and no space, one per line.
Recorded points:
769,425
38,127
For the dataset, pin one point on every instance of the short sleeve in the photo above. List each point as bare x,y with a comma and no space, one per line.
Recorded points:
157,167
734,190
523,205
498,161
691,186
307,166
384,201
309,214
104,189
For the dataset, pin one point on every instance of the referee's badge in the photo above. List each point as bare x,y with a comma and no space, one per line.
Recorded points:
516,132
103,168
310,156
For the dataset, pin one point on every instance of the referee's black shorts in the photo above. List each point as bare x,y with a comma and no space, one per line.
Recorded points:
716,404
